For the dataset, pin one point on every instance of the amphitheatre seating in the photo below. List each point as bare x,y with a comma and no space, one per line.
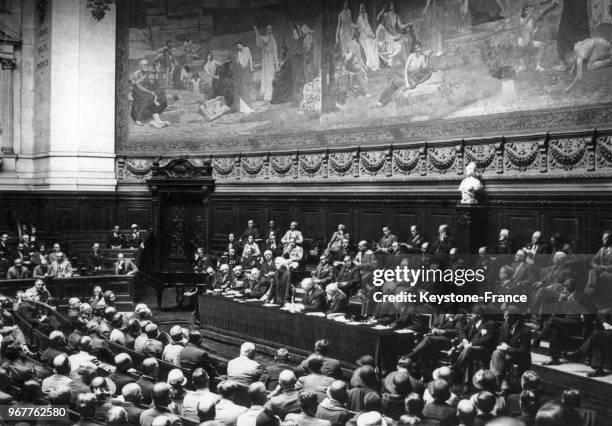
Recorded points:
62,289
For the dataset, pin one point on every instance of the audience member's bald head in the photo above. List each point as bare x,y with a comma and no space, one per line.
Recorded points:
258,393
287,379
132,393
466,411
150,367
338,391
161,394
61,364
123,362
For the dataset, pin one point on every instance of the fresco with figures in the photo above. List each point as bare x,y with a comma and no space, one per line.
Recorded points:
418,60
205,70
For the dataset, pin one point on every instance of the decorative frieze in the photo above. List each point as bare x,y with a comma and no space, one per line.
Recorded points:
583,156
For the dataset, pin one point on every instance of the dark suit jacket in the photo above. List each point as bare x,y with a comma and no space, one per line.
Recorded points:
337,304
475,336
324,273
267,267
280,291
453,325
441,412
258,288
314,300
121,379
133,240
118,240
349,278
442,247
270,377
331,367
192,356
95,260
519,343
284,403
146,384
524,274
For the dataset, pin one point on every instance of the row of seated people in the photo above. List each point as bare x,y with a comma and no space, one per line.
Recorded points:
103,386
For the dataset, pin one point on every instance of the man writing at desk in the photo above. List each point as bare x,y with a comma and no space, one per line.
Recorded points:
125,266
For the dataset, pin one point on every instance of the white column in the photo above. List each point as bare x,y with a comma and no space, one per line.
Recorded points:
6,98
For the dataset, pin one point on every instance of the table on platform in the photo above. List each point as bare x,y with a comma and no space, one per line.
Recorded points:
298,332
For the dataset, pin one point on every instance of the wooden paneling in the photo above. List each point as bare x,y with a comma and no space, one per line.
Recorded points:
522,226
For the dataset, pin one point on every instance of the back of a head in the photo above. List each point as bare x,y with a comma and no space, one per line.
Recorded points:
61,364
466,411
367,375
150,366
206,410
530,380
370,418
505,421
414,404
402,384
315,363
123,362
176,333
86,404
322,347
161,394
195,337
31,390
85,344
439,390
258,393
227,388
200,378
247,349
553,414
282,355
338,391
116,416
485,401
286,379
571,398
151,330
445,373
308,402
132,393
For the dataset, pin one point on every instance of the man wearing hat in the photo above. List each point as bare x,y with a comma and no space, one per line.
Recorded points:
134,240
177,381
439,410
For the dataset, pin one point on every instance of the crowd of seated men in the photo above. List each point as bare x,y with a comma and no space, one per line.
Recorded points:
119,368
29,258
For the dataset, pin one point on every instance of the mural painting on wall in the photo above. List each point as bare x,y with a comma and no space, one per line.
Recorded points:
211,69
419,60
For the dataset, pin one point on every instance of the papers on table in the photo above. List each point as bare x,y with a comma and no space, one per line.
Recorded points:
381,327
315,314
270,304
251,300
404,331
353,323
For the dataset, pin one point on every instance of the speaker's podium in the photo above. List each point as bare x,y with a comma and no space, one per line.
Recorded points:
182,211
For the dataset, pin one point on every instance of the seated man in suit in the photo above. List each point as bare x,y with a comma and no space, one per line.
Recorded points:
478,342
343,251
285,400
331,366
550,287
524,273
202,261
416,240
324,273
597,348
238,279
280,288
386,241
95,260
134,239
17,271
116,240
574,310
249,259
443,243
439,410
281,363
223,277
61,268
193,355
251,231
230,258
337,301
504,243
292,236
335,242
514,345
251,245
256,285
445,328
364,256
535,249
52,257
267,264
125,266
314,297
273,245
244,370
349,277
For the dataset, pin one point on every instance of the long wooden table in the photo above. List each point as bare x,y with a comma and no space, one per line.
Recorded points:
276,328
